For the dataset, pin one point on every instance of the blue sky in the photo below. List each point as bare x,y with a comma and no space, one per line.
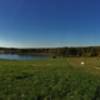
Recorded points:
49,23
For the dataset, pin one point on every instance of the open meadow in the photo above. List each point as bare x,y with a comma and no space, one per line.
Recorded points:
51,79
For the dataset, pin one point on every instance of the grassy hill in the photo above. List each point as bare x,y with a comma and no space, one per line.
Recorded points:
53,79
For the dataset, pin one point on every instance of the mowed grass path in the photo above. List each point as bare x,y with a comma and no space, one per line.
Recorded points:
52,79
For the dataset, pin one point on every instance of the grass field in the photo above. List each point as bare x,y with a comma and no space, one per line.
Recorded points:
52,79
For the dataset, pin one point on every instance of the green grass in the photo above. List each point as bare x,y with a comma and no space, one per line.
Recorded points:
53,79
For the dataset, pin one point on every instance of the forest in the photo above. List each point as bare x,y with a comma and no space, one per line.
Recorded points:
63,52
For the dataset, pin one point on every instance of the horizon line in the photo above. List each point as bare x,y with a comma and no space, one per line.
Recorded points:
82,46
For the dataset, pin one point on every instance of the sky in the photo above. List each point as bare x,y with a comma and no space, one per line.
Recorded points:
49,23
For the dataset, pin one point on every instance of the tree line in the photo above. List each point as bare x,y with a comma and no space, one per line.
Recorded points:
66,51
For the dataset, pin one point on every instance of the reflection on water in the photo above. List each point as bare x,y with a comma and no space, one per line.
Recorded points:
21,57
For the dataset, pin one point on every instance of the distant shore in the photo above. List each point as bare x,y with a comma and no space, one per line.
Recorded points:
64,51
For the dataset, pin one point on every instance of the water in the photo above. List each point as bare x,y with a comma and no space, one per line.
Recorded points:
22,57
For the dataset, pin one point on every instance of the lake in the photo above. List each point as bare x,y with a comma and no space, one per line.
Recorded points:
22,57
